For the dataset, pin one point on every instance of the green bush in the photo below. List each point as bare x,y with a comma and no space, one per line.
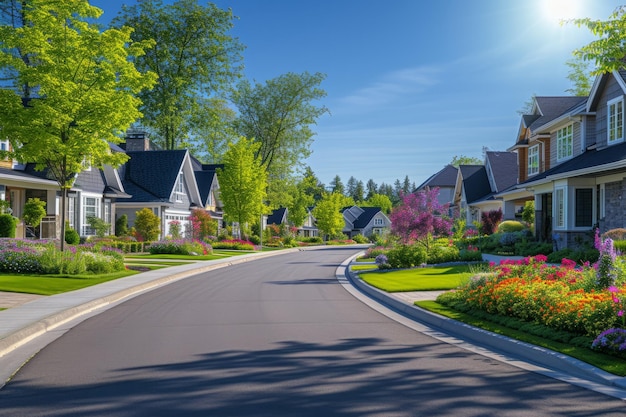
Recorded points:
147,225
71,236
121,225
406,256
179,247
509,226
8,224
360,239
620,245
468,255
440,254
531,248
580,256
34,211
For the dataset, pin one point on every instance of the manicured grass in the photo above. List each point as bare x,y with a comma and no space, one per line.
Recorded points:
55,284
365,267
419,279
600,360
210,257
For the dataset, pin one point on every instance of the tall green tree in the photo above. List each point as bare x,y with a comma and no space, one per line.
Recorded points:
608,52
194,58
371,188
328,214
312,185
382,201
278,115
243,184
337,186
69,88
299,207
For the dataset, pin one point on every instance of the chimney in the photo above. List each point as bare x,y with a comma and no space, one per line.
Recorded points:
137,140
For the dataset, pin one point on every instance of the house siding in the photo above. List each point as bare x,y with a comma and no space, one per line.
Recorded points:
552,150
615,206
522,163
611,90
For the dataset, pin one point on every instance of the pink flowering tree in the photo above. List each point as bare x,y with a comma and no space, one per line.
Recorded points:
420,217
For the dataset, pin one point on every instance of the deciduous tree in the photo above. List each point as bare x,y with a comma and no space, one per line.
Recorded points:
608,52
328,214
278,115
69,88
243,183
382,201
420,217
194,58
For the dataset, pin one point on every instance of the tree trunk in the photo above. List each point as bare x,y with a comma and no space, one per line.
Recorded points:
63,211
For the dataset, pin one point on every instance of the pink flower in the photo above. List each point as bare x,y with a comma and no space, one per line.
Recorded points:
613,289
620,313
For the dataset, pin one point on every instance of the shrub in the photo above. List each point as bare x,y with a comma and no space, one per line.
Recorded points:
615,234
17,258
71,236
235,244
471,254
147,225
8,223
440,254
34,211
528,212
202,225
620,246
530,248
180,247
490,221
509,226
382,262
100,226
360,239
121,225
406,256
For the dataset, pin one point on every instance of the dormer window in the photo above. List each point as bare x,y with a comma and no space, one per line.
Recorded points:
533,160
565,143
615,120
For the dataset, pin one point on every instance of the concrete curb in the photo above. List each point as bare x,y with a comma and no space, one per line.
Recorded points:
500,344
52,312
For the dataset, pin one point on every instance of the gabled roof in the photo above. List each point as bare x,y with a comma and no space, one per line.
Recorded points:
444,178
504,169
156,171
598,87
475,182
278,216
366,217
550,108
589,163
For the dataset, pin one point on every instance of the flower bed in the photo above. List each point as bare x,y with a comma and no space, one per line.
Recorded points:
562,297
33,257
235,244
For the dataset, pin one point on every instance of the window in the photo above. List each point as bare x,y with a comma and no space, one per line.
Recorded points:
584,207
559,208
533,160
4,145
179,188
564,143
91,208
378,222
615,119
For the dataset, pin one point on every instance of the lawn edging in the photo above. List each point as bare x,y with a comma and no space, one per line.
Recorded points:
511,348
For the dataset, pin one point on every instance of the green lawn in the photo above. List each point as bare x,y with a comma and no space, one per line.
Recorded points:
55,284
365,267
419,279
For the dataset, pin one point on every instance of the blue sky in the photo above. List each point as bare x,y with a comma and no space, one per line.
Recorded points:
411,83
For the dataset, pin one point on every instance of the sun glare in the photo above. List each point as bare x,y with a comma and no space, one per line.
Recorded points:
558,10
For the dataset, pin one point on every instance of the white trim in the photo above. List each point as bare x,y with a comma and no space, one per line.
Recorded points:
562,205
535,150
565,143
618,121
602,201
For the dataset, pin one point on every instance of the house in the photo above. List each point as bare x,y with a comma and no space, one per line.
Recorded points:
277,217
161,180
208,186
93,194
477,186
445,181
366,221
281,216
574,164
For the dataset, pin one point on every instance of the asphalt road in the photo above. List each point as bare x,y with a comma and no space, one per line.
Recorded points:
275,337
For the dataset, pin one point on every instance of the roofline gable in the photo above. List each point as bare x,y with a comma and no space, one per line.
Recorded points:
597,83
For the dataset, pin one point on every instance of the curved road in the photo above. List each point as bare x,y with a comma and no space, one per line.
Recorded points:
275,337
